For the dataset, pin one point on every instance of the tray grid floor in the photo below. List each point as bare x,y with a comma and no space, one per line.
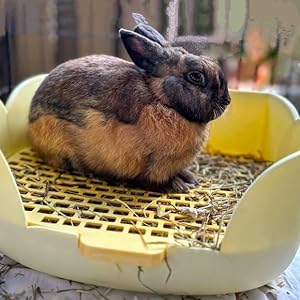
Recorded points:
77,203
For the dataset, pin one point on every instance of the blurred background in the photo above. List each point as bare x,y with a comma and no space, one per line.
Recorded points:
257,42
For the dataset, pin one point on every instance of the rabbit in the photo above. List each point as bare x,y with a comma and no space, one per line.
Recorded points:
142,121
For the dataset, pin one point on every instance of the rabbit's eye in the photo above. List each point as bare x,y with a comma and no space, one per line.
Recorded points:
196,78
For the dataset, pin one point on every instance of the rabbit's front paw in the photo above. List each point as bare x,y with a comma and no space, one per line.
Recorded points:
189,177
184,181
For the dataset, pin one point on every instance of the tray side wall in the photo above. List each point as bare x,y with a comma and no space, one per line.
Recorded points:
241,129
193,271
18,105
11,207
261,125
268,215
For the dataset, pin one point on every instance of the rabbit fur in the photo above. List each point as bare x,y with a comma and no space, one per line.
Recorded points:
142,121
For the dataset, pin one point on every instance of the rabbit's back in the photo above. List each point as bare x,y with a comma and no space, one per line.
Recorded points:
104,83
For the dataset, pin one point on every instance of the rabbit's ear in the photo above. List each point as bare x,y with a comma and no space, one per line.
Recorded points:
139,18
146,30
151,34
145,53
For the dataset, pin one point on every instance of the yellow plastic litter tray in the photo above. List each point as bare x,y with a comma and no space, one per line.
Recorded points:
86,230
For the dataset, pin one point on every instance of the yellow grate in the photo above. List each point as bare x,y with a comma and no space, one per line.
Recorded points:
79,204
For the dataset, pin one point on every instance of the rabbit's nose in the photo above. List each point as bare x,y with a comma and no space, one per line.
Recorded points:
227,100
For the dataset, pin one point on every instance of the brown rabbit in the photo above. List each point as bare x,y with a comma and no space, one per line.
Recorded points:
143,121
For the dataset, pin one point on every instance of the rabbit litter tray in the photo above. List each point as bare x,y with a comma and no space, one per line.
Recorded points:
86,230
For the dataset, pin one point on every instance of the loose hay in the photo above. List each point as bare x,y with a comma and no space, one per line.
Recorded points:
77,203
